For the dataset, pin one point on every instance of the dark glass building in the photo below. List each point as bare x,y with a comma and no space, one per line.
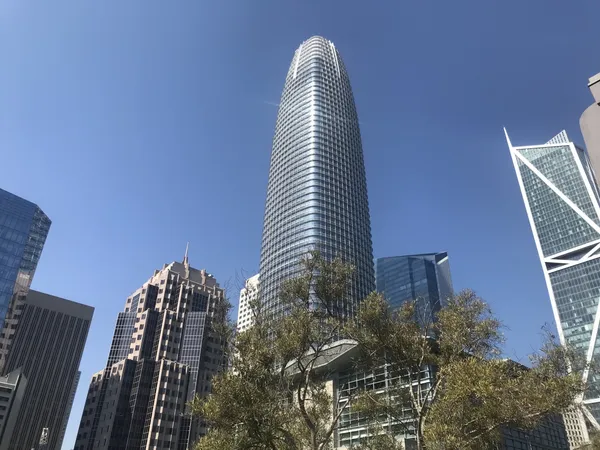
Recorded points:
47,347
317,191
23,231
425,278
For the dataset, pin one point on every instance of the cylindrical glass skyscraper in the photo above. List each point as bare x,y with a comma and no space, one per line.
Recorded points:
317,191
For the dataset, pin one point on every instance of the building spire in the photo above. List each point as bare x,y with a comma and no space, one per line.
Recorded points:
186,262
185,258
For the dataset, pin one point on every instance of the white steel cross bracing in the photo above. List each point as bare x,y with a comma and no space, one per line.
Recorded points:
558,192
591,249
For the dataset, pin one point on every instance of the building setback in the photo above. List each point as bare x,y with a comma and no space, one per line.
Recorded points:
47,348
163,353
590,126
317,190
562,203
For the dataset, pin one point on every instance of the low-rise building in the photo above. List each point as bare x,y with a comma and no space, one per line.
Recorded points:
344,377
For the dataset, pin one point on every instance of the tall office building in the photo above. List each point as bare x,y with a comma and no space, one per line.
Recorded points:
23,231
590,126
248,295
562,203
317,190
69,406
424,278
164,352
46,348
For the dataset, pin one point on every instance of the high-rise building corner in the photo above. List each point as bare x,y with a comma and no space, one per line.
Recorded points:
24,228
424,278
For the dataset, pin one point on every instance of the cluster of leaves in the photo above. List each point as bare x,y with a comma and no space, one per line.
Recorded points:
594,443
451,390
473,393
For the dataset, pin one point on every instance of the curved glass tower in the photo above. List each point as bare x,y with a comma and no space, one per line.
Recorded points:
317,191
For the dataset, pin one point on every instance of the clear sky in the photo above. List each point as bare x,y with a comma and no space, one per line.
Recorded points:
140,125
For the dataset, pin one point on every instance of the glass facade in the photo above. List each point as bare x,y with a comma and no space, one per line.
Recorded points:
23,231
317,191
355,428
119,348
561,200
424,278
548,435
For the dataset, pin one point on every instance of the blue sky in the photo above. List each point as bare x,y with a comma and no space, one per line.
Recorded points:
140,125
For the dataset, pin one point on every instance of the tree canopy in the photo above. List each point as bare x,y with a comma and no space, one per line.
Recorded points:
473,392
448,384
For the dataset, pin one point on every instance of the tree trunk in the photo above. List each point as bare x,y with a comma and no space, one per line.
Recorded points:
419,435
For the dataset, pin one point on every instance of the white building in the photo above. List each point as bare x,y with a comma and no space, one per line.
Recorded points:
247,295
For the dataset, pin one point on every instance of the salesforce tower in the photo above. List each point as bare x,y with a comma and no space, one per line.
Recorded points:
317,190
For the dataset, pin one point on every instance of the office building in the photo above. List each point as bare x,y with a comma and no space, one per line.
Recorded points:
248,296
12,389
23,231
317,190
164,352
69,406
47,348
561,201
590,126
342,376
424,278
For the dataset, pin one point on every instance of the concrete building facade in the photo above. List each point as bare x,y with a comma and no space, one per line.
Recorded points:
164,352
248,295
12,390
590,126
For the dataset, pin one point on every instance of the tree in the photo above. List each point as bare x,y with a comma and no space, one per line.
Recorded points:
446,383
451,389
276,397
